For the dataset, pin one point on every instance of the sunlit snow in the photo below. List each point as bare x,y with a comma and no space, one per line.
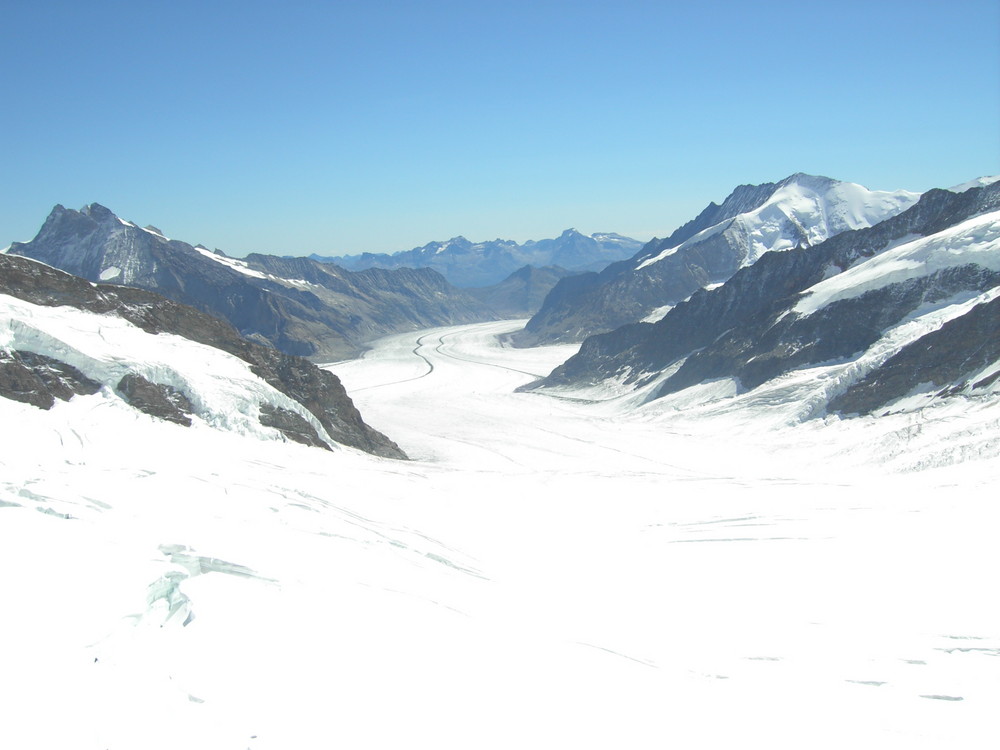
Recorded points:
233,263
975,240
976,183
547,573
815,207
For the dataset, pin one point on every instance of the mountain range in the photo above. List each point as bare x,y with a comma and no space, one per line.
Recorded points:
887,298
480,264
881,318
799,211
296,305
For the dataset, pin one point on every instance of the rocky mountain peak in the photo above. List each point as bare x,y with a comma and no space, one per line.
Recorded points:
97,212
807,180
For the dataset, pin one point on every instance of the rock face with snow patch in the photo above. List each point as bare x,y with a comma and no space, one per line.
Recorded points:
299,306
318,392
883,286
959,359
799,211
156,399
39,380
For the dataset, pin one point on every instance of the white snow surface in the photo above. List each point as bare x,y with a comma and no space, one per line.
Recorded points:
548,572
233,263
973,241
976,183
657,314
816,207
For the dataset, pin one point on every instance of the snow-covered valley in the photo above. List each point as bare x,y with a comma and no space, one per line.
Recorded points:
548,571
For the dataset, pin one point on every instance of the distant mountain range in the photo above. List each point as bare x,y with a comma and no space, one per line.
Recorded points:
297,305
799,211
480,264
885,318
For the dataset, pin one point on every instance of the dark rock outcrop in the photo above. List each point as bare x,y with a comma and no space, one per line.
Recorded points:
39,380
946,358
156,399
291,425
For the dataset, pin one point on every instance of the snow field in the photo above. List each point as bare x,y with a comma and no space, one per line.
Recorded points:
549,572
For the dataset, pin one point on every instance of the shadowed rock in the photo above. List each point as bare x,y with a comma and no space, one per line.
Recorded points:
156,399
39,380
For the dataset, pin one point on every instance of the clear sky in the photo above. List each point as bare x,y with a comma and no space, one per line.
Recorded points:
345,126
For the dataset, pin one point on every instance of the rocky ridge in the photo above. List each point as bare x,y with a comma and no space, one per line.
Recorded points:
36,379
297,305
758,325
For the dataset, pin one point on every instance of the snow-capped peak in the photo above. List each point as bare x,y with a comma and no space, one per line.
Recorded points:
803,210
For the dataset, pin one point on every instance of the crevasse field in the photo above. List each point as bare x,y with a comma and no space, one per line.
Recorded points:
550,571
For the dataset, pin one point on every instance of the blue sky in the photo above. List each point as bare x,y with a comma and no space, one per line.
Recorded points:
300,127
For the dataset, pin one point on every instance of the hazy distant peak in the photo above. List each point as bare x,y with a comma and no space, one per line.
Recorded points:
976,183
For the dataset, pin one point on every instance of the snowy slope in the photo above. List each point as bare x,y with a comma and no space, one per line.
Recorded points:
223,389
974,241
552,573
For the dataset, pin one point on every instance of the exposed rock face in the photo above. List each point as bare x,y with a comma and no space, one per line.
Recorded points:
296,305
800,211
837,331
39,380
522,293
317,390
480,264
748,328
156,399
291,425
953,358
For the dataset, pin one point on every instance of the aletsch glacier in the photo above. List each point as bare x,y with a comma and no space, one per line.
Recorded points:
699,569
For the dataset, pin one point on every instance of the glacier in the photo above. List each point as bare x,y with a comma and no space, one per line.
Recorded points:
548,571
